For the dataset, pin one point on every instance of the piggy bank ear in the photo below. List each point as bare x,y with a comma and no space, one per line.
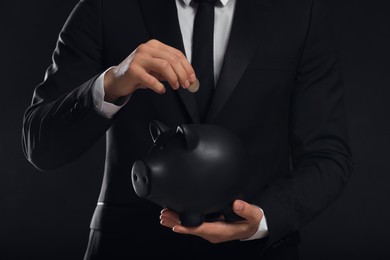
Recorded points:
190,137
156,129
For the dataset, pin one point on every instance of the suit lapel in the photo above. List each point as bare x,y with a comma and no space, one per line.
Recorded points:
163,24
249,19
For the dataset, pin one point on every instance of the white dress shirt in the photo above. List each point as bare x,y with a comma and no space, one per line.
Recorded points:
224,11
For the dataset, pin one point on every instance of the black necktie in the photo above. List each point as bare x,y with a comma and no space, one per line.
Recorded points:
202,53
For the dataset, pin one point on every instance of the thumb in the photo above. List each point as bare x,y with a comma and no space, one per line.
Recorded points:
250,212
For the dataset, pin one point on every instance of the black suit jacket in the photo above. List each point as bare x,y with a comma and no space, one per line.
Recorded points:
280,90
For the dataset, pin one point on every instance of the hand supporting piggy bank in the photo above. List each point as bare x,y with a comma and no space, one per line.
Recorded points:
195,170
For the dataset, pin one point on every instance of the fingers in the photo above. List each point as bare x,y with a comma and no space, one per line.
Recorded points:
169,218
158,58
161,70
146,79
145,67
178,56
216,232
249,212
202,230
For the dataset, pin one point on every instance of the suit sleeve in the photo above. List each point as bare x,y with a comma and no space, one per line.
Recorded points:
61,123
320,149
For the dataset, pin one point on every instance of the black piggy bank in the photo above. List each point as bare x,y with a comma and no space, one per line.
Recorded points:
195,170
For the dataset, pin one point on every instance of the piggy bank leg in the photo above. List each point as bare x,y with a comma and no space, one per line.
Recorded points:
229,214
191,219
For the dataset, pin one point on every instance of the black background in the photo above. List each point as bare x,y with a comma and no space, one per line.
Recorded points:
47,215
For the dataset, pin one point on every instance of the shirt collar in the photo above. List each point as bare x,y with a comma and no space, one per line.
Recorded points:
188,2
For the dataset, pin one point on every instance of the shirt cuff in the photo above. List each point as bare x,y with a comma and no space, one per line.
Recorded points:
105,109
262,231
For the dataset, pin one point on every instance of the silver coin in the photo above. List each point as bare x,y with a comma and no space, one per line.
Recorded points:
194,86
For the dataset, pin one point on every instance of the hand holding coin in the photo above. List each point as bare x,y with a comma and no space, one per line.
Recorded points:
146,67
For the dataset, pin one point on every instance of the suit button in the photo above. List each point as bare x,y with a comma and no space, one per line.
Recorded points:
77,107
75,110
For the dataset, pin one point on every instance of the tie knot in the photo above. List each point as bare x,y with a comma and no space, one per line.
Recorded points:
205,1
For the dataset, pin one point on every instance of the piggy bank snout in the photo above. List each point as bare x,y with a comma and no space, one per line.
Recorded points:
140,177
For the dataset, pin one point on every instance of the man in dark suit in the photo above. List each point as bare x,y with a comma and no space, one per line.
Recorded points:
277,86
